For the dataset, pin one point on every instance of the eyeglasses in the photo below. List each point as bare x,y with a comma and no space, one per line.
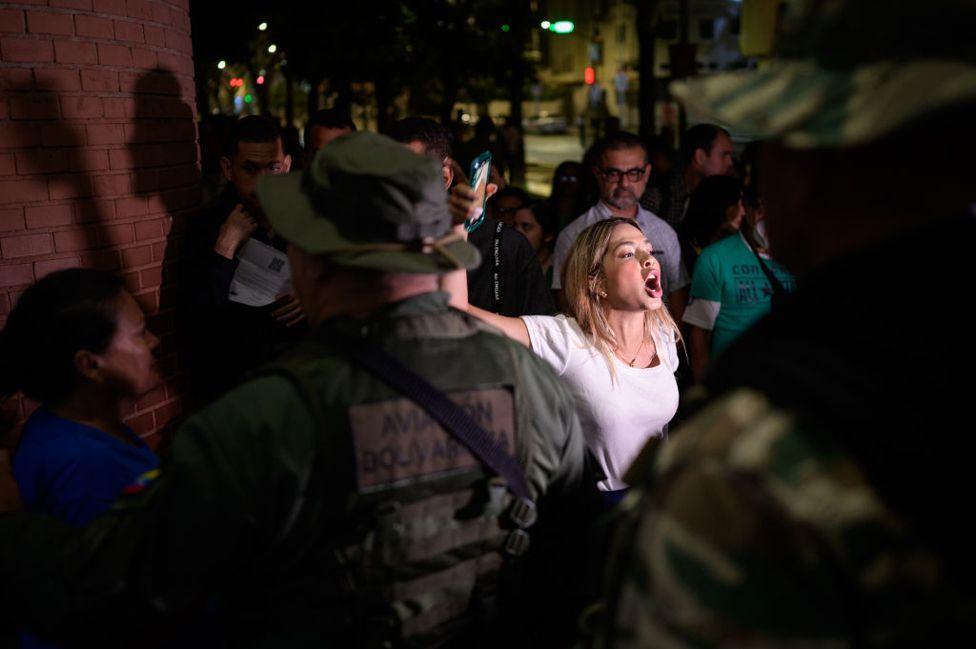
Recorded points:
567,179
614,175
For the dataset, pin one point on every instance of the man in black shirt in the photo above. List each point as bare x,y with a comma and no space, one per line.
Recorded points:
509,280
221,339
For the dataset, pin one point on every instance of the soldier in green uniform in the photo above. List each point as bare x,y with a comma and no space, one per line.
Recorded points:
817,499
315,505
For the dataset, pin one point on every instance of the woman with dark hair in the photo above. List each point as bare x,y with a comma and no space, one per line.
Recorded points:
77,343
715,211
734,279
568,195
537,223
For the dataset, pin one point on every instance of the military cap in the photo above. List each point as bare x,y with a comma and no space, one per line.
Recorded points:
368,202
847,73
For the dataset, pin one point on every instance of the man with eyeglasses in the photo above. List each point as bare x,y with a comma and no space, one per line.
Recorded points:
621,173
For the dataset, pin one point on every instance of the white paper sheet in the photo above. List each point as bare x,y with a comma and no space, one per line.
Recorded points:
262,274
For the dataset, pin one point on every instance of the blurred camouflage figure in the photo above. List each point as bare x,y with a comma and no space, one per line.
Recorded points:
817,499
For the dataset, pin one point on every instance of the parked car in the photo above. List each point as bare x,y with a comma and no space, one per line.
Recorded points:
545,125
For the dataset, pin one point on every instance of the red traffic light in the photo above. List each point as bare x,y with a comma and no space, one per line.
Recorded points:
589,76
236,82
260,80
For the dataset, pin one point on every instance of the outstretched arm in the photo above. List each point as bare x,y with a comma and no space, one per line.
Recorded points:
455,283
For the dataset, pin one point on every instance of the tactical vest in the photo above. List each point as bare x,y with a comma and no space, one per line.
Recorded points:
422,539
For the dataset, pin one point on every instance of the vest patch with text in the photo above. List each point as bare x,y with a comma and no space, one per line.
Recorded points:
397,442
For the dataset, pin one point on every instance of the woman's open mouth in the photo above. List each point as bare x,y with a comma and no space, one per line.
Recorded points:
652,285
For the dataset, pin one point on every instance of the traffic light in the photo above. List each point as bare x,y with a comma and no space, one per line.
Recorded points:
589,75
559,26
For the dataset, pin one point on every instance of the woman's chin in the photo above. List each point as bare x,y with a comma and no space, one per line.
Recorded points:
652,303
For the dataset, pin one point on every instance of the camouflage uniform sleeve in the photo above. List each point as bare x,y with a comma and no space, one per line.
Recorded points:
746,534
231,480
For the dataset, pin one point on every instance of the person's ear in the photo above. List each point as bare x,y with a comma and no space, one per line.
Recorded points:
647,169
596,172
88,365
699,157
286,164
594,284
447,174
227,167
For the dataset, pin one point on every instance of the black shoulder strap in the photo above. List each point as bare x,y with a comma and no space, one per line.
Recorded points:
778,290
448,414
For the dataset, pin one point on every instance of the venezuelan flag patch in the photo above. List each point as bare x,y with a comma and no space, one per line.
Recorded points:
141,482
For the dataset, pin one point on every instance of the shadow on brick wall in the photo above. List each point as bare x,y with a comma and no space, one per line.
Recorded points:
115,194
164,153
55,152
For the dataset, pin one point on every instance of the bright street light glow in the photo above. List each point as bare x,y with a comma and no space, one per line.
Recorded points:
221,65
545,24
272,48
563,27
262,27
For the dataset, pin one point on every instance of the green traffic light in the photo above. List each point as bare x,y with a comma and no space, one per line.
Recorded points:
505,28
247,98
562,27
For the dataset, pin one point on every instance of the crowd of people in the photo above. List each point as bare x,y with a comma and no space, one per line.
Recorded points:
418,411
616,269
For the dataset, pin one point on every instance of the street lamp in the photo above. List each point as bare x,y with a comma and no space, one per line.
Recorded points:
262,27
272,48
221,64
545,24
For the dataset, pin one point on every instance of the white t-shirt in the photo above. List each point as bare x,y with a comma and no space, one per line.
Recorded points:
618,417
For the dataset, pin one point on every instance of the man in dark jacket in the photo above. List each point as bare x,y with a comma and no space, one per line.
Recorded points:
509,280
223,334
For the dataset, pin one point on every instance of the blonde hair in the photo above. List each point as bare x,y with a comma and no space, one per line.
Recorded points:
580,278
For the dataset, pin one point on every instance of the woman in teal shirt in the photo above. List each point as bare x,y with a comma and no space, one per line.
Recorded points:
730,290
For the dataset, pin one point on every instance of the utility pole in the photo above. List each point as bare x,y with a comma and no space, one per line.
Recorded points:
646,37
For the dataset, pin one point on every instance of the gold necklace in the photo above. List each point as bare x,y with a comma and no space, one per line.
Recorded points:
634,359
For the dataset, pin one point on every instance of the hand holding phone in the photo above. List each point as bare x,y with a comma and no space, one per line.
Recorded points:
480,170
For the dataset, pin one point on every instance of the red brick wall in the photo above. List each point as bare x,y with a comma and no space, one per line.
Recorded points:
98,154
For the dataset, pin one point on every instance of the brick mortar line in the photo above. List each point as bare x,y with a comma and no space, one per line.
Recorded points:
47,202
74,38
47,9
48,65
